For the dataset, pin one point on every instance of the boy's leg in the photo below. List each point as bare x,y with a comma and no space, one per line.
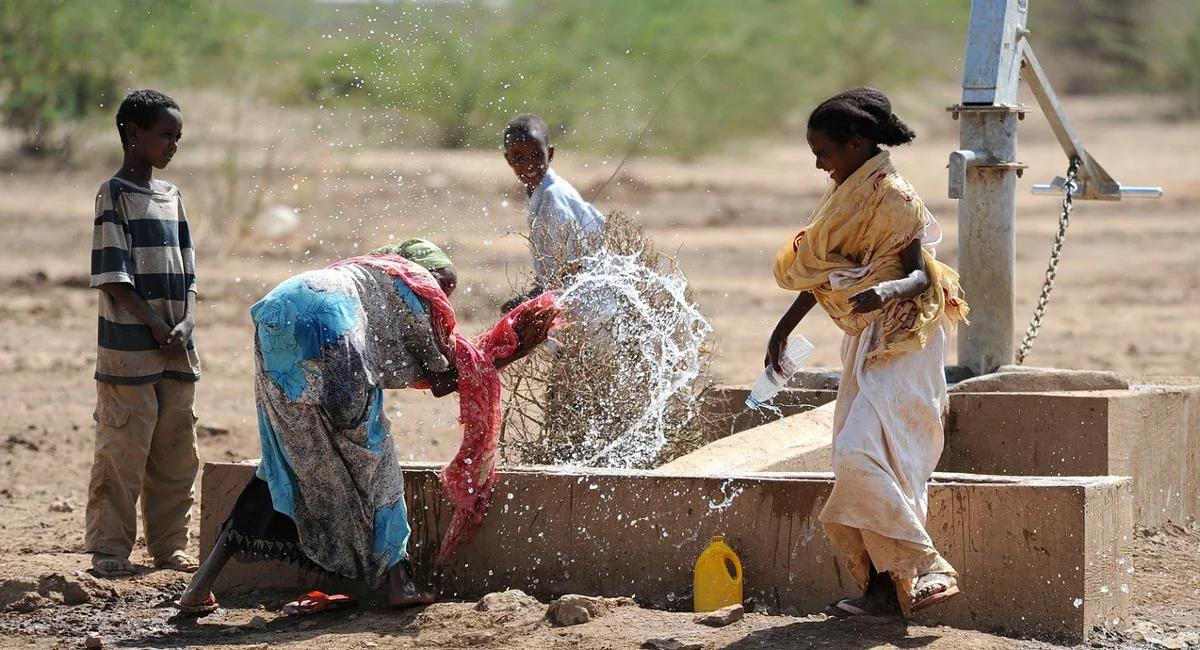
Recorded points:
125,419
171,466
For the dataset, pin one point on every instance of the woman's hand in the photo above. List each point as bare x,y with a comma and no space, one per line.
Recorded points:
775,347
779,336
533,327
873,299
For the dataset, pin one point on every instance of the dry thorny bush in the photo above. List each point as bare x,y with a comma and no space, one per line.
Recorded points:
569,404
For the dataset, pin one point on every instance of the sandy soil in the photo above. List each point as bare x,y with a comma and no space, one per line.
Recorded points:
1128,292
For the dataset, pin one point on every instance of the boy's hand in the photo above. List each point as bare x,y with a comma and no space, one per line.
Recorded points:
177,338
161,330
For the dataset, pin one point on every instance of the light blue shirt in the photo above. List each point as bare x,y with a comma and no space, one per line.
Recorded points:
562,226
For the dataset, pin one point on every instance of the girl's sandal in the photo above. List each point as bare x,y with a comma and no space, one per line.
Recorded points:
847,607
933,589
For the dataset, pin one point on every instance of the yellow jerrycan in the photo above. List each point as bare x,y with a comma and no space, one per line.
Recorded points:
717,581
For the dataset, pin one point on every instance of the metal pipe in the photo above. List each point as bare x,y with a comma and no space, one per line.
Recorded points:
959,161
987,242
1131,192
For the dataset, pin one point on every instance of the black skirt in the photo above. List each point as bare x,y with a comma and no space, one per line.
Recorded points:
255,531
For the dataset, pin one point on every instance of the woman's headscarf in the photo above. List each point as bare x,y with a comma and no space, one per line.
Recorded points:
421,251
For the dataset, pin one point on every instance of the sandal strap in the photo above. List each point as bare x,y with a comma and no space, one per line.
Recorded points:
854,610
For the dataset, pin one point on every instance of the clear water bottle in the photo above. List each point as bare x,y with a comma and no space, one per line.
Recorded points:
769,383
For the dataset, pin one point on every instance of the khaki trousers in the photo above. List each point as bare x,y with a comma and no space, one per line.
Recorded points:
145,446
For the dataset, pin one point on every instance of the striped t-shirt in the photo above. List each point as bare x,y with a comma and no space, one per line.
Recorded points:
141,239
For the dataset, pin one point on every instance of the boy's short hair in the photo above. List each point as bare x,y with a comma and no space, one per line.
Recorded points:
142,107
527,126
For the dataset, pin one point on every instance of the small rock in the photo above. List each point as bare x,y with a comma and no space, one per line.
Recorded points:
574,609
482,637
93,641
509,600
671,644
62,505
257,623
14,589
370,644
75,594
722,617
96,588
28,603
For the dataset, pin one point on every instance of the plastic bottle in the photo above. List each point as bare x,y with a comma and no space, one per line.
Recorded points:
769,383
717,581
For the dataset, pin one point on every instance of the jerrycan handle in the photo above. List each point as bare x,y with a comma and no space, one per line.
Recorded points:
731,560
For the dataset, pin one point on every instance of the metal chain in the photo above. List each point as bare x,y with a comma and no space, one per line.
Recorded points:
1064,220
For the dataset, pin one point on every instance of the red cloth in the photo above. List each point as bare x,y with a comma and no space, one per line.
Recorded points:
469,480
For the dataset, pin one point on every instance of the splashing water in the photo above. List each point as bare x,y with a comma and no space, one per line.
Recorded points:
729,495
643,318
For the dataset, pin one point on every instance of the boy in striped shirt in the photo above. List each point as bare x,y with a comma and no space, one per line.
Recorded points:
146,365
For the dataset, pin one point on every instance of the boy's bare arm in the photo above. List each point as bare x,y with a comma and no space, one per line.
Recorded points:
131,302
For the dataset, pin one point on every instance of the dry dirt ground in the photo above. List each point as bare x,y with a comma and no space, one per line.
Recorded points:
1127,298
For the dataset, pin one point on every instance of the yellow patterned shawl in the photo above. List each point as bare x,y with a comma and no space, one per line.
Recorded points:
854,242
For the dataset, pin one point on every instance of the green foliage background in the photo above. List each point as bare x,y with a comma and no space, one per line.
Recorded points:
450,74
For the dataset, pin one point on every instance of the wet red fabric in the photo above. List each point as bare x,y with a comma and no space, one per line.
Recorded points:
469,479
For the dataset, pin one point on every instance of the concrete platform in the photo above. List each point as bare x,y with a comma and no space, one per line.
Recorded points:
795,443
1038,556
1150,433
726,413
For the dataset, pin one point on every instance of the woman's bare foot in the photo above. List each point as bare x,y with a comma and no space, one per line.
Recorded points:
402,592
196,603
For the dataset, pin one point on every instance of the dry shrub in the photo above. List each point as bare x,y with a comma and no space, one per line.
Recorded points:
586,403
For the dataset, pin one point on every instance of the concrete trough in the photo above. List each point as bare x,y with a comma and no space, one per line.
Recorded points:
1149,433
726,412
1039,557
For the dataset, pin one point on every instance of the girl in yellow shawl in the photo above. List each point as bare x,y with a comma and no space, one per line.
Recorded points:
866,257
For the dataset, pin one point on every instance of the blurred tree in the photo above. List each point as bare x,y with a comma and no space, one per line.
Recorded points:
596,71
62,61
53,68
1098,46
1187,70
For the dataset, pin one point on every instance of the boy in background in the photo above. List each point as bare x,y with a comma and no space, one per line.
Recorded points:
563,227
143,263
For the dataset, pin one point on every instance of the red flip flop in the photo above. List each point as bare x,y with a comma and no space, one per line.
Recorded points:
202,608
317,601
